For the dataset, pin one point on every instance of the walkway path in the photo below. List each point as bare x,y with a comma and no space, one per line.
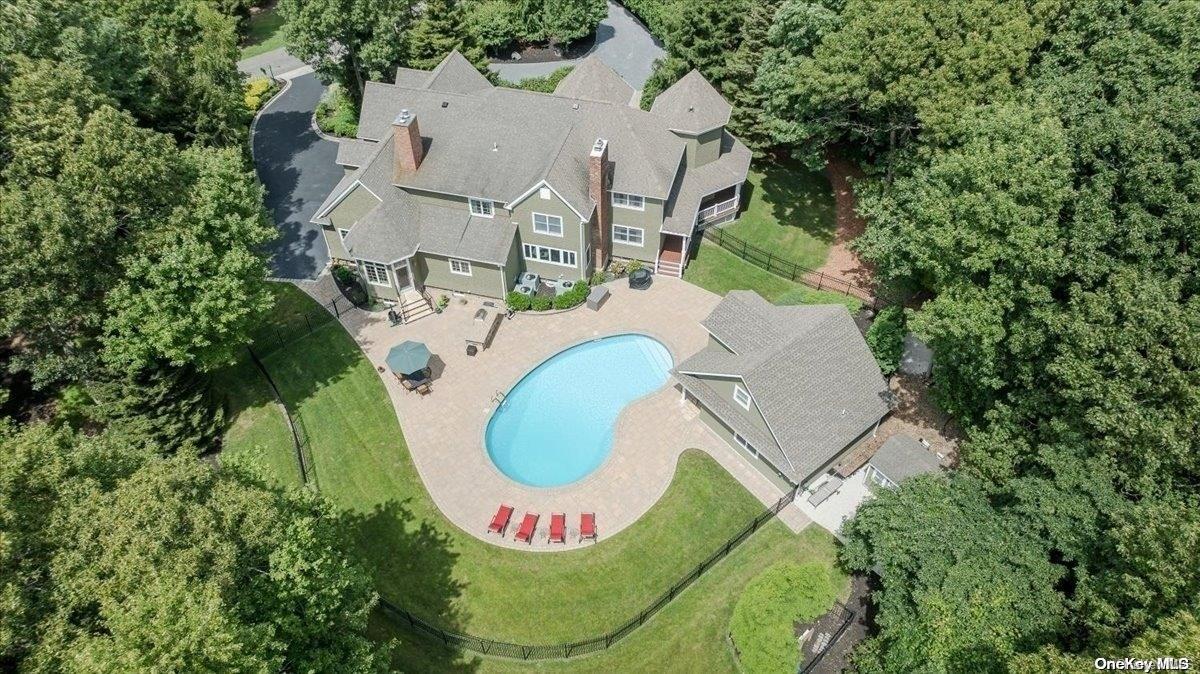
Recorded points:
273,63
444,430
296,165
621,41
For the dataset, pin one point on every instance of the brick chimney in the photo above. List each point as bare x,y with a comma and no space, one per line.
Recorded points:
408,151
598,191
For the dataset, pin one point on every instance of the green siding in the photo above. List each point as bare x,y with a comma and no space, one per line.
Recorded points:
724,387
434,272
726,434
703,148
714,343
648,220
351,209
572,238
337,249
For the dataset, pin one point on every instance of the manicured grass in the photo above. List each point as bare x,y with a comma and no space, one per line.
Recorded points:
258,433
264,33
720,271
790,212
689,635
428,565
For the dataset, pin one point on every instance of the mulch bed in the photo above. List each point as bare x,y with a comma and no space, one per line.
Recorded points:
541,53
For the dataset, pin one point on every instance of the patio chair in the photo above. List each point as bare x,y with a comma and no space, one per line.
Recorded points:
525,531
558,528
500,519
587,526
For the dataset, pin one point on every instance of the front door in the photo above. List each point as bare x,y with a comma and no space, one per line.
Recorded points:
403,277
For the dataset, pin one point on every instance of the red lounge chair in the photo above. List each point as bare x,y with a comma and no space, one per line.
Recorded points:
525,531
558,528
587,526
500,519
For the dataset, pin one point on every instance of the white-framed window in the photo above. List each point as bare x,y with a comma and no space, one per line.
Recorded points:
551,225
875,475
377,274
461,267
558,256
633,201
744,443
741,396
481,207
633,236
544,193
343,233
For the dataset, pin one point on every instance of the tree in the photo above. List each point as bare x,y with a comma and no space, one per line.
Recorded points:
564,21
964,587
740,87
148,564
348,41
705,35
192,288
440,29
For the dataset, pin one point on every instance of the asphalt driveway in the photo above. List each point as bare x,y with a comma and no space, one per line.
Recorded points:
297,168
622,42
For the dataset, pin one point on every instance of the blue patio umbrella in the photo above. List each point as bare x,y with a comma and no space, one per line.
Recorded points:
408,357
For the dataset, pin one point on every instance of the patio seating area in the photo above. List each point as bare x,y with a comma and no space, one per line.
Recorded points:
445,431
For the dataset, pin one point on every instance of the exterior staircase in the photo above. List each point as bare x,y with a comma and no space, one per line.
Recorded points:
668,268
414,305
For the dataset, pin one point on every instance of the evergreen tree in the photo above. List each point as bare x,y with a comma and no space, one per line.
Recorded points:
741,89
440,29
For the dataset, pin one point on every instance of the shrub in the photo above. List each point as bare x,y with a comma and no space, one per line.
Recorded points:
886,338
496,24
336,115
257,92
545,84
634,265
540,303
762,625
573,297
516,301
598,277
345,275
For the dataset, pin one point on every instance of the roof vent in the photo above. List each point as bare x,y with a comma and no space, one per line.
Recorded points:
691,108
495,147
403,118
575,106
599,146
445,104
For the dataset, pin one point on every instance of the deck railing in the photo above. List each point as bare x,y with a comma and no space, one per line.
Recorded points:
716,210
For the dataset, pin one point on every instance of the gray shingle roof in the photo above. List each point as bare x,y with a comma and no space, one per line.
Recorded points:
723,409
354,152
692,105
695,183
902,457
456,74
593,80
808,369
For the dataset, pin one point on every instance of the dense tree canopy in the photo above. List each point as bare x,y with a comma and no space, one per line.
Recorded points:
1033,173
117,560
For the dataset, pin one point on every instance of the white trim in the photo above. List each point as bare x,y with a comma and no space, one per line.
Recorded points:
343,233
542,183
491,207
628,230
562,226
452,260
408,273
357,183
613,200
525,247
739,389
387,273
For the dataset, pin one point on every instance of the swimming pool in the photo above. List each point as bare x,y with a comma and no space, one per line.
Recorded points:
556,425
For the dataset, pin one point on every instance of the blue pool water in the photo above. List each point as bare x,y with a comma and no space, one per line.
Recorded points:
556,425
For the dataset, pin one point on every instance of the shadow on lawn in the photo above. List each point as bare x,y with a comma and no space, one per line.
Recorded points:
796,197
412,562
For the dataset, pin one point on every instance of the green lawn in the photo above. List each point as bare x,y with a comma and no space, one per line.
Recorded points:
422,561
264,33
720,271
789,211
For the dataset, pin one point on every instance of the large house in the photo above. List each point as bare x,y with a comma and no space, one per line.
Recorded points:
458,185
794,389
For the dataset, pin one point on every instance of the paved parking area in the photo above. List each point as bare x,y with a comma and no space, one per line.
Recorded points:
445,429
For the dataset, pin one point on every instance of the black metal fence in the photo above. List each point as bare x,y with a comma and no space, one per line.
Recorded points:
417,625
561,651
289,327
828,630
786,268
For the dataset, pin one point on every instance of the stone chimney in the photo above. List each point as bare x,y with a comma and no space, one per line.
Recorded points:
408,151
598,191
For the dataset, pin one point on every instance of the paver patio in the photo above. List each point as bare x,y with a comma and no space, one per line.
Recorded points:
445,430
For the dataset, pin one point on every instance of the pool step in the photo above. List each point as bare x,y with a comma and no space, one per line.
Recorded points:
655,354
